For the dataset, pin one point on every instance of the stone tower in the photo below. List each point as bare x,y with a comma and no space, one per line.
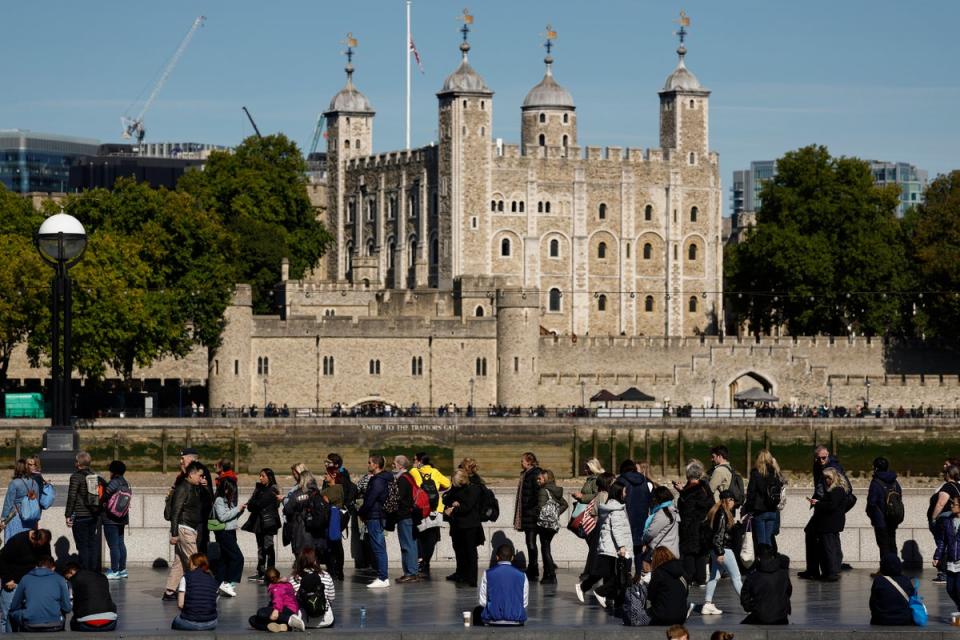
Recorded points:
518,341
465,156
349,135
548,116
684,111
230,380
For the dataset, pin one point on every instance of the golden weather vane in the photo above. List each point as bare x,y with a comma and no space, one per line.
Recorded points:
684,22
551,35
466,17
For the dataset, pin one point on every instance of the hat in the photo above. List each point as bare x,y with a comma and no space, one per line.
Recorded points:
189,451
726,494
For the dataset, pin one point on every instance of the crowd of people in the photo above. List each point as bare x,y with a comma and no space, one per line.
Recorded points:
646,545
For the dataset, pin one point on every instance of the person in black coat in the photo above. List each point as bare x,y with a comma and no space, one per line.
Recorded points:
638,505
766,591
693,503
823,530
883,481
264,521
93,608
887,604
667,593
462,509
528,509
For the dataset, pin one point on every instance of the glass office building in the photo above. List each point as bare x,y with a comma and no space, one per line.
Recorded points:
40,162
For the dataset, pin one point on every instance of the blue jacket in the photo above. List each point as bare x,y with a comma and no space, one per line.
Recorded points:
876,497
16,490
638,503
503,594
376,495
41,597
947,534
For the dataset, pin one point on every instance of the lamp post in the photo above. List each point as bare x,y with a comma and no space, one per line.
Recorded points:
61,241
583,393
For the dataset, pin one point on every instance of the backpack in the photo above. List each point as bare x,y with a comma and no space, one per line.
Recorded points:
777,494
29,507
892,505
635,606
90,492
311,596
350,493
429,487
316,515
391,504
489,507
549,516
119,503
736,485
421,503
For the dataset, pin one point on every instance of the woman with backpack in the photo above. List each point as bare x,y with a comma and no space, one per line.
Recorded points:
462,509
264,521
224,524
551,505
763,498
939,505
116,515
21,506
315,592
306,515
723,558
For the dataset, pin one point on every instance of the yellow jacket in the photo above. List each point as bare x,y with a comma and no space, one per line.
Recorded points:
442,481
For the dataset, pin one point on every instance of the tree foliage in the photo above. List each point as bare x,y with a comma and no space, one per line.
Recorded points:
826,253
259,192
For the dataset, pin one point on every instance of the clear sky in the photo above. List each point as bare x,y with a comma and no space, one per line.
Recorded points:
871,79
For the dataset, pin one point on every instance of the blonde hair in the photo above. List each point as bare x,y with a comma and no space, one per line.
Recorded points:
719,504
307,481
836,480
594,466
470,466
766,464
460,478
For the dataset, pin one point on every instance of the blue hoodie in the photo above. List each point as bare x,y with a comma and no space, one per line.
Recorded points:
42,597
876,497
638,503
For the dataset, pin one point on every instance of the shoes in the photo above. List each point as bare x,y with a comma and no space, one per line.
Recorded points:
378,584
846,567
600,599
296,623
123,573
169,596
453,577
710,609
548,580
940,579
423,576
806,575
257,577
407,579
276,627
830,579
579,592
226,589
113,575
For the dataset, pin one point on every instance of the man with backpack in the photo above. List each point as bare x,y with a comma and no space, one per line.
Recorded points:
378,504
407,513
83,512
431,481
885,506
723,477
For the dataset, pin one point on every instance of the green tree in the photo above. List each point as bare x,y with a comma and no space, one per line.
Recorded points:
259,191
934,232
828,254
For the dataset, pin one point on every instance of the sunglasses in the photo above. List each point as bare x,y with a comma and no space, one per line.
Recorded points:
822,457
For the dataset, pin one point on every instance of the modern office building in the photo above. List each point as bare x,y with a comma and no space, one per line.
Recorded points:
40,162
745,191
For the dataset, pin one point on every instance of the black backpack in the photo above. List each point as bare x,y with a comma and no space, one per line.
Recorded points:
429,487
312,596
892,504
316,515
489,507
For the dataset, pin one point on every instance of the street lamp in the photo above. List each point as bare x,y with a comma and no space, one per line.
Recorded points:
61,241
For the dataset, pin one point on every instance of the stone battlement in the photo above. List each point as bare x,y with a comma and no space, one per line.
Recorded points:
390,158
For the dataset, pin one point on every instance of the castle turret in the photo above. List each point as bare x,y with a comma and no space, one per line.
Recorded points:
465,156
548,116
518,340
684,108
349,135
230,383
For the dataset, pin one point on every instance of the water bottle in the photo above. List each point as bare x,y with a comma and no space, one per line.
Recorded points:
363,617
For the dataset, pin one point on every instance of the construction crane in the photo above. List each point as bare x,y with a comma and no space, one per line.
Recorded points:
133,127
250,118
317,134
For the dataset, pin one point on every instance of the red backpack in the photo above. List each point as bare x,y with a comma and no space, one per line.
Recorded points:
421,501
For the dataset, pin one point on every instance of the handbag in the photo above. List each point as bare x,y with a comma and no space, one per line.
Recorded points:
29,507
434,520
578,508
746,549
635,606
917,608
215,525
583,524
47,495
622,578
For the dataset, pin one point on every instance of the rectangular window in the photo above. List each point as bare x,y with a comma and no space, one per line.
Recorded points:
236,367
516,365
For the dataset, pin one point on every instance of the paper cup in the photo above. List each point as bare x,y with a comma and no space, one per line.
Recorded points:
467,618
955,618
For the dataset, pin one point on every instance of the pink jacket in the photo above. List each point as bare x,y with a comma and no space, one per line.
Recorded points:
282,597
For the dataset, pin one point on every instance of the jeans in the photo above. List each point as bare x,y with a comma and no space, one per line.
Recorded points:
118,548
378,545
230,567
408,547
88,544
533,568
6,599
181,624
953,587
266,556
729,567
765,526
546,537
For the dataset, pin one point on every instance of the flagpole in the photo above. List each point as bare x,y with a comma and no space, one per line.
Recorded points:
407,54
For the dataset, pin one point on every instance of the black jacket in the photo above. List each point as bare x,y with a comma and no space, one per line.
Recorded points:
828,513
722,537
693,504
91,593
76,496
262,505
188,507
877,497
887,605
637,502
293,510
758,498
375,496
818,485
405,493
529,499
766,591
18,556
667,594
467,515
117,483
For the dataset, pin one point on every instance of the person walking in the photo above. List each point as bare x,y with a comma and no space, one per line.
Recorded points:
721,475
584,497
614,543
662,527
374,517
763,498
264,521
722,556
403,519
947,555
226,520
693,503
551,505
526,510
462,509
196,591
939,506
29,485
115,519
432,482
83,511
187,512
638,495
884,506
767,589
828,520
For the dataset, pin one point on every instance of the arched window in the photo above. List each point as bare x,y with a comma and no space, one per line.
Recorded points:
566,118
434,251
464,104
483,105
479,311
346,144
602,250
691,104
542,140
693,214
692,306
493,205
372,369
331,365
554,248
259,366
602,212
505,247
513,206
377,362
565,140
647,251
628,251
601,302
356,144
500,206
412,251
413,366
554,299
521,206
692,252
483,367
371,247
648,212
540,207
543,118
693,158
648,303
675,256
478,368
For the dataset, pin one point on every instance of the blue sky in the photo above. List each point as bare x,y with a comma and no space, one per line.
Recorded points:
872,79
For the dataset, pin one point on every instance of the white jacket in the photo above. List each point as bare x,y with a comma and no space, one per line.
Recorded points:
614,529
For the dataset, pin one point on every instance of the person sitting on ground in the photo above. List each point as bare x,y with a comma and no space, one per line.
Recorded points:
766,591
41,600
197,597
890,594
721,635
18,557
315,592
667,593
282,612
503,593
93,608
678,632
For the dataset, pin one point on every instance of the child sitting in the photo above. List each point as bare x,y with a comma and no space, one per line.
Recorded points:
283,604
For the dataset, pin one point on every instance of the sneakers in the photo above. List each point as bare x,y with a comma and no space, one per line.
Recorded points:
940,579
113,575
123,573
709,609
579,592
379,584
276,627
257,577
296,623
600,599
226,589
407,578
